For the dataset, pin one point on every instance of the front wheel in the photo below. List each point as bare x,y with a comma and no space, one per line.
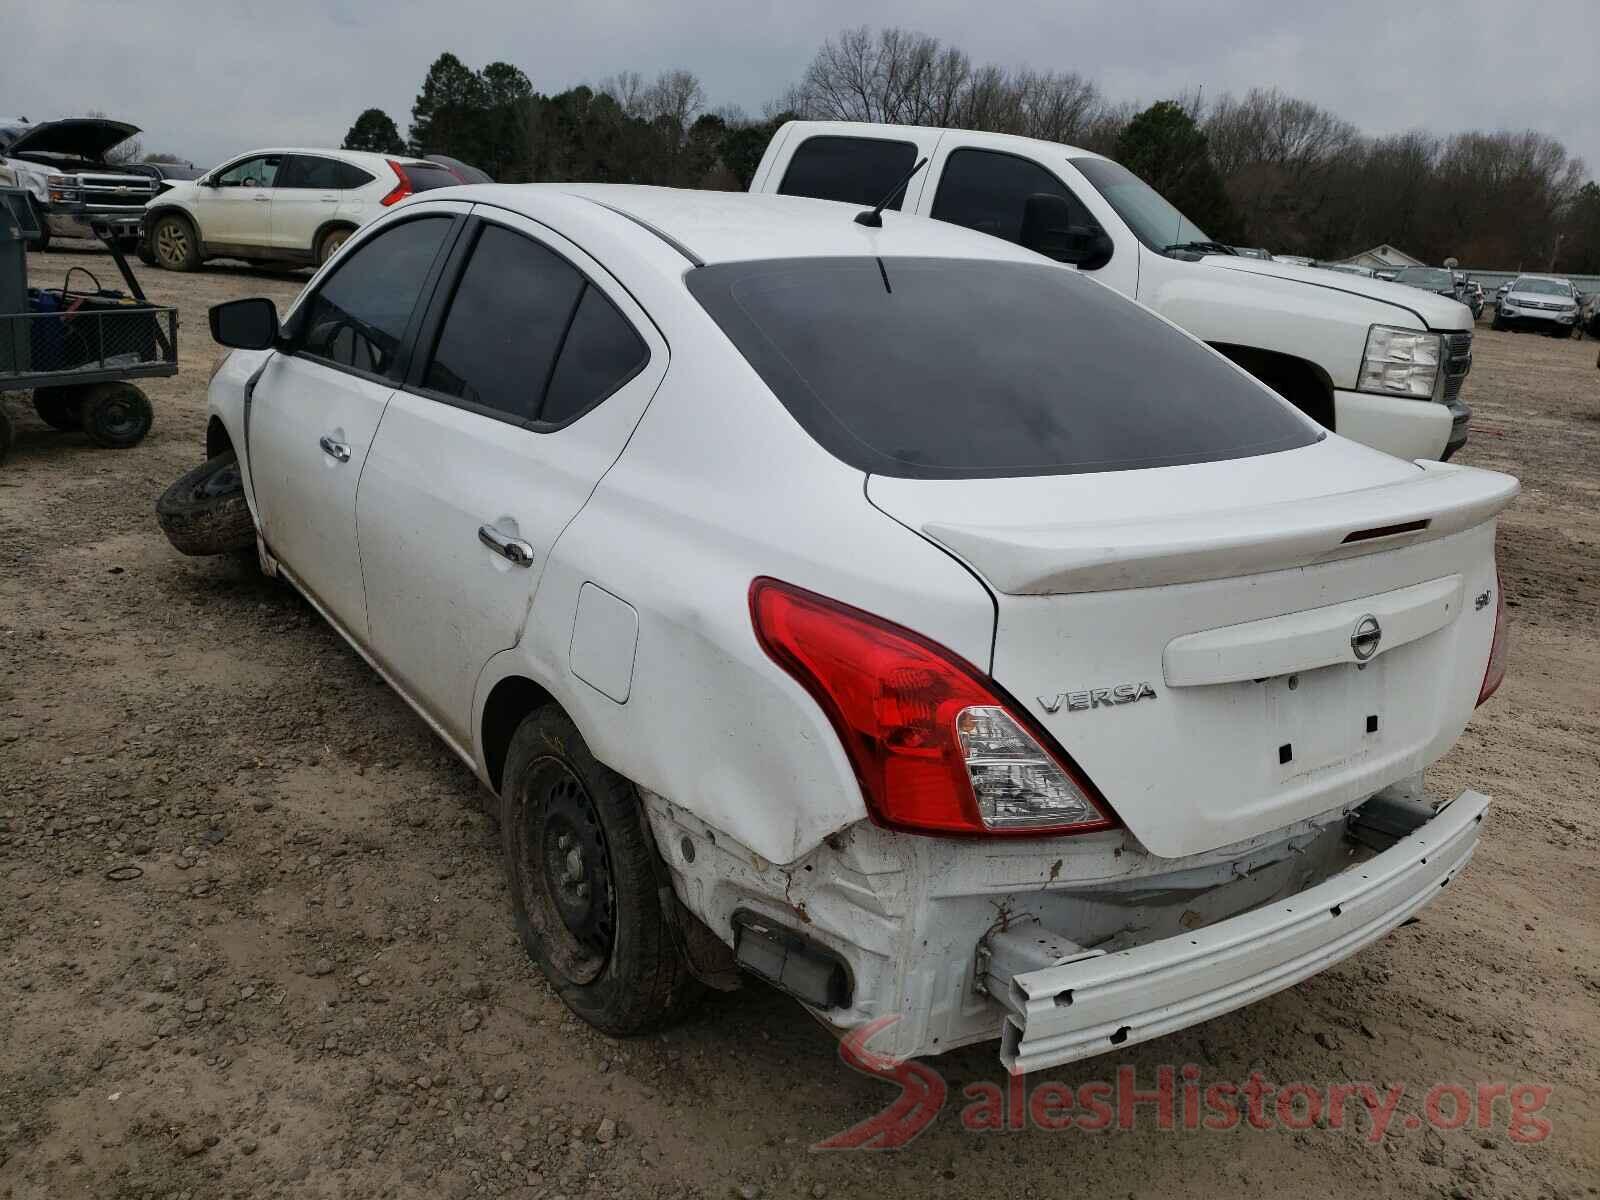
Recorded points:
584,888
176,244
1497,322
115,415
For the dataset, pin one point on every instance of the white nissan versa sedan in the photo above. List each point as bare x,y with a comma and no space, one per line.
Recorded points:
883,612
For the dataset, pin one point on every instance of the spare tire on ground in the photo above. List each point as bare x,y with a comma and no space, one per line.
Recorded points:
204,511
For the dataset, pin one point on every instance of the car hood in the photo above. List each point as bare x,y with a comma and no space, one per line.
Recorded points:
78,137
1437,312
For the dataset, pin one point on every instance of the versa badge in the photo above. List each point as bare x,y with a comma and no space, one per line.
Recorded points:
1122,693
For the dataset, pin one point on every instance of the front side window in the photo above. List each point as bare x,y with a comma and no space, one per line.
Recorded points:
854,170
988,191
358,318
929,368
528,337
261,172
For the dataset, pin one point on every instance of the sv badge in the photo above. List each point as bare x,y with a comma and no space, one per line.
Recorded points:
1122,693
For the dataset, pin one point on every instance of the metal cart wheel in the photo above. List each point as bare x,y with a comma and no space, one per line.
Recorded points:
115,415
58,407
5,434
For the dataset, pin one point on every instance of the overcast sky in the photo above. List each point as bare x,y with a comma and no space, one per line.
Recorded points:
209,78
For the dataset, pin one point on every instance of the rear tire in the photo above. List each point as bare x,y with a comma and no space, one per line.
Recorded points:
204,511
585,891
328,244
115,415
59,407
5,434
175,243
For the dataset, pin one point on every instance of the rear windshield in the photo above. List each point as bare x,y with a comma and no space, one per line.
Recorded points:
929,368
426,176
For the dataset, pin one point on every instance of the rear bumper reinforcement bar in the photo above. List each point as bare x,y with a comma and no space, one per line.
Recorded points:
1085,1003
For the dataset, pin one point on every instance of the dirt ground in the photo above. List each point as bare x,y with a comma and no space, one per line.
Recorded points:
308,984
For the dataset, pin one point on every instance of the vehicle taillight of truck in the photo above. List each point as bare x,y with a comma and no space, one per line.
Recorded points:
1495,672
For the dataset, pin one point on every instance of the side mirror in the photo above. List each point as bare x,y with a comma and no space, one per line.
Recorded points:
250,324
1047,229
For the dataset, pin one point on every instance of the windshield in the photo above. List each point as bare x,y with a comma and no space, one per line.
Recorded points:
1426,277
1542,287
928,368
1153,221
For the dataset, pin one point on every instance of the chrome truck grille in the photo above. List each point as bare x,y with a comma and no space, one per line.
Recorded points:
1457,362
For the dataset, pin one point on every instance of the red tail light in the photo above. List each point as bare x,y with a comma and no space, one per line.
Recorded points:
936,746
1495,673
402,189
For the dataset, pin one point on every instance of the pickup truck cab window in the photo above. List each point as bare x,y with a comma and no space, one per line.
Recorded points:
851,169
988,190
357,319
527,337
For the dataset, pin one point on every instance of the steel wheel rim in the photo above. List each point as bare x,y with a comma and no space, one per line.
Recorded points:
333,242
564,872
117,418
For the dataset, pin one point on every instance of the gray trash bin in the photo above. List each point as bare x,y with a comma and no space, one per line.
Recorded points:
18,225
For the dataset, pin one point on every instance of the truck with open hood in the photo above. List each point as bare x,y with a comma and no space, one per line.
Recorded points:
63,166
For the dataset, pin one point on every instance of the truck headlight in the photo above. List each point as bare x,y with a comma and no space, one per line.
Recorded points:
1401,362
63,189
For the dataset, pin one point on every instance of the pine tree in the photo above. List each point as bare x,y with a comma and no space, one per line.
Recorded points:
449,113
376,132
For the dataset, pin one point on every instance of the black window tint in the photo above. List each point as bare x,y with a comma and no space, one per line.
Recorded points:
505,324
855,170
359,317
986,190
601,353
943,368
306,171
348,175
427,176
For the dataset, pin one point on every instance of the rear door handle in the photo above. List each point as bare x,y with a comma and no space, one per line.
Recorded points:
263,199
513,550
337,451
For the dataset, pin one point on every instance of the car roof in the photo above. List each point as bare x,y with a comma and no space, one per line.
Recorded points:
975,137
331,152
712,227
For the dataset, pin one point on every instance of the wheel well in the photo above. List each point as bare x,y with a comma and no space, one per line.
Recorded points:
1303,384
512,699
171,210
217,439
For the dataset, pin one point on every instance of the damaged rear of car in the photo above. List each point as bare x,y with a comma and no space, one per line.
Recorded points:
63,167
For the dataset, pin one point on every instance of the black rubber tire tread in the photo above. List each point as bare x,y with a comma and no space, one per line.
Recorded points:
203,525
58,406
5,434
645,983
324,253
97,397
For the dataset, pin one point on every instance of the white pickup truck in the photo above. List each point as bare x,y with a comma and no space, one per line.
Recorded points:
1377,362
73,190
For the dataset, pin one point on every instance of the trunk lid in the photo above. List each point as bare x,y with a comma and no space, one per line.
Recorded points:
1227,648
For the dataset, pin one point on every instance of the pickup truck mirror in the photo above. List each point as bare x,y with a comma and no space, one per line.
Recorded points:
250,324
1047,229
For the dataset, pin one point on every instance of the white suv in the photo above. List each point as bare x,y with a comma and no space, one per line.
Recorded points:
884,611
280,206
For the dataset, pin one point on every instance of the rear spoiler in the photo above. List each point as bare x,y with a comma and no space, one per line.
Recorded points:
1042,560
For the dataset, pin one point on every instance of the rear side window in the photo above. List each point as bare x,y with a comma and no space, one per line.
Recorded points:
426,176
305,171
505,325
602,352
348,175
987,190
358,318
946,368
855,170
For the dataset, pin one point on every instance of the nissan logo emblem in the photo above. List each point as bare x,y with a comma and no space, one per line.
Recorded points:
1364,641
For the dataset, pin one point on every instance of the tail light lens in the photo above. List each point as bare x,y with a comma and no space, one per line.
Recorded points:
936,747
402,189
1494,674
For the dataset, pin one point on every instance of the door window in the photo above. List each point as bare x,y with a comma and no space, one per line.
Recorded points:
987,190
855,170
308,171
261,172
358,319
525,324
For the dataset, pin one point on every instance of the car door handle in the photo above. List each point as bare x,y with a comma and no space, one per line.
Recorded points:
262,199
513,550
330,199
337,451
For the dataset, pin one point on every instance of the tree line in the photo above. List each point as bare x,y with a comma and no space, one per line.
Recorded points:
1263,168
